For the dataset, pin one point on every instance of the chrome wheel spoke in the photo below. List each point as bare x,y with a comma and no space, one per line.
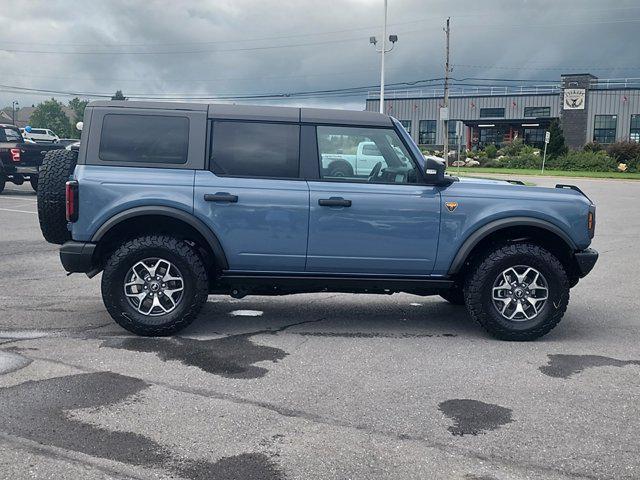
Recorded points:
519,293
154,286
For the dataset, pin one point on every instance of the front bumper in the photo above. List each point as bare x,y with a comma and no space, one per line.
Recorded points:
77,257
585,260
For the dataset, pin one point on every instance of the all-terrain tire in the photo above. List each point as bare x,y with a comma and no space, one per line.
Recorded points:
57,166
3,181
34,182
454,296
178,252
478,291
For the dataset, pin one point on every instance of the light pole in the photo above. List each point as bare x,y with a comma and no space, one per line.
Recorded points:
393,39
14,104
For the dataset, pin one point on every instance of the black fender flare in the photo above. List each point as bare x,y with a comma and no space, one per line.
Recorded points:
178,214
491,227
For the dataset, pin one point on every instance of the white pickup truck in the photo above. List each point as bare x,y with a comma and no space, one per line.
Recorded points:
359,165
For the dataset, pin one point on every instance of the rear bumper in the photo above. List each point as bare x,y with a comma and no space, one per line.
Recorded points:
585,260
77,257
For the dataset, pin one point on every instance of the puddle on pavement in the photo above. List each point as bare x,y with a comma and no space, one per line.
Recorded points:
472,417
10,362
37,410
232,357
564,366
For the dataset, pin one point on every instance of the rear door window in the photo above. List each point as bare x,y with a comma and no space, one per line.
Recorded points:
254,149
144,139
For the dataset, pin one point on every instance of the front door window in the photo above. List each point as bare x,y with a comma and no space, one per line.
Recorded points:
373,155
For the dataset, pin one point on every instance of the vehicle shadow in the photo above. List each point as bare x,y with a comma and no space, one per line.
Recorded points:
335,315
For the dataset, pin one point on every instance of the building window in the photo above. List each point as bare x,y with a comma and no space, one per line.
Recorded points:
491,112
537,112
254,149
427,132
490,136
604,128
453,139
634,134
407,125
534,136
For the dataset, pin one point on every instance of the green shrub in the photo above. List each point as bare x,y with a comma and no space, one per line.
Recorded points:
512,148
593,147
491,151
584,161
524,161
625,152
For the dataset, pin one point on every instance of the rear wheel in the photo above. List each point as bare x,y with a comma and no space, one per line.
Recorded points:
33,180
3,182
56,168
517,292
340,169
154,285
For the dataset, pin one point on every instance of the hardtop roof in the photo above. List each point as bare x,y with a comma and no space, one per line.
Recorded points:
261,112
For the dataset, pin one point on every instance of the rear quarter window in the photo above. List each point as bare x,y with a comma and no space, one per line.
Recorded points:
144,139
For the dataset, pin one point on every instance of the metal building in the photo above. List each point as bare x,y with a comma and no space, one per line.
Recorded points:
589,109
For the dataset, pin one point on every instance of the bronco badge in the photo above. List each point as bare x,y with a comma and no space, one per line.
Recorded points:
451,206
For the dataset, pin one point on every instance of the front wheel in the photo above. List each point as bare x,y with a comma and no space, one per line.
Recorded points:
517,292
154,285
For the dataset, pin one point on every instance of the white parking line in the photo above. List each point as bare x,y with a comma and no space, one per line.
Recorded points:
13,197
17,211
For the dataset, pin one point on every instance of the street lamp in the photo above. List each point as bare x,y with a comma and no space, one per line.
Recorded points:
373,41
14,104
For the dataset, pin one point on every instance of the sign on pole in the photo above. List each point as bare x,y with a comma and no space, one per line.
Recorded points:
547,138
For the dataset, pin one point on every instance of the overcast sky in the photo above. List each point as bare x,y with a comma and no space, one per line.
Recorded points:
245,47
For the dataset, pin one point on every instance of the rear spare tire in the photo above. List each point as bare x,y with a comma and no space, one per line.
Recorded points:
57,167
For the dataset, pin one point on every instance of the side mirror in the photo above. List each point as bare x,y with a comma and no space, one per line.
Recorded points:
435,171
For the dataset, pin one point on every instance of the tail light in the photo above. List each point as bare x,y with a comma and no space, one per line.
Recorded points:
15,154
591,221
72,200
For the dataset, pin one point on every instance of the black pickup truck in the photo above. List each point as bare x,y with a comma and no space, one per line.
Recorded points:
19,160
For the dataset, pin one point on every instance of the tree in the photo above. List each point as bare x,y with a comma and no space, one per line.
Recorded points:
49,114
78,107
556,147
118,96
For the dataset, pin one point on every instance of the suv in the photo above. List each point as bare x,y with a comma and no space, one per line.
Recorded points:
173,202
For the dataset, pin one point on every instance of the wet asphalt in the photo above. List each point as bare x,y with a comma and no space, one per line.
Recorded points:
324,386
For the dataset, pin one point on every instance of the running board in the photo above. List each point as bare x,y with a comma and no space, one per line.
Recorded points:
241,284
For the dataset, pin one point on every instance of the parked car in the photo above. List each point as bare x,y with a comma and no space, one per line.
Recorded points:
20,159
65,142
172,202
40,135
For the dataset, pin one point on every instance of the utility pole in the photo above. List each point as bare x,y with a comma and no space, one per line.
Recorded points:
14,104
384,45
393,39
446,96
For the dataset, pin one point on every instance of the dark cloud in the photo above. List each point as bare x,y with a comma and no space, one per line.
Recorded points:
515,39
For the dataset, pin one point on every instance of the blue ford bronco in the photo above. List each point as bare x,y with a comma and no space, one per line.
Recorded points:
173,202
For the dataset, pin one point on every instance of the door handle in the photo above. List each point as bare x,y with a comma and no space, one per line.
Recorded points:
220,197
334,202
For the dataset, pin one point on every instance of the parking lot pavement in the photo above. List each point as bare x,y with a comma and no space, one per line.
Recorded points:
317,386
